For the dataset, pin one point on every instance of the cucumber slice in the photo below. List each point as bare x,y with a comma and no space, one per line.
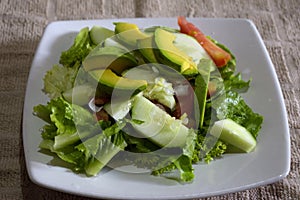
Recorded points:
158,126
98,34
118,109
79,95
234,134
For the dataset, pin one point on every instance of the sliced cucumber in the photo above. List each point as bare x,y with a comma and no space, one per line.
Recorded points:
158,126
118,109
234,134
79,95
98,34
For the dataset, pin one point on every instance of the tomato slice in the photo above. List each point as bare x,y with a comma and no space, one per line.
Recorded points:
219,56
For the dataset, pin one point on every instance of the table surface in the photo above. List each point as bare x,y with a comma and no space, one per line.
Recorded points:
21,27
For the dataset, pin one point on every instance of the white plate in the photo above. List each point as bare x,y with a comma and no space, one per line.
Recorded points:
269,163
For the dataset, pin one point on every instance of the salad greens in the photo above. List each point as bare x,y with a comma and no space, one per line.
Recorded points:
79,50
58,80
98,131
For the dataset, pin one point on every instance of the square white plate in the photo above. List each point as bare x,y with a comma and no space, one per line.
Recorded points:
270,161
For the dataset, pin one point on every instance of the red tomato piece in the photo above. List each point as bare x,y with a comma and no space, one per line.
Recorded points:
219,56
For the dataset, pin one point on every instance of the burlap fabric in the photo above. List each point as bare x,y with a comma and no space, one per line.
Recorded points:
21,27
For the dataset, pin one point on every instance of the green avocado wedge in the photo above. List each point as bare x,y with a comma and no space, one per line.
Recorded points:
111,57
164,41
108,78
145,46
129,33
98,34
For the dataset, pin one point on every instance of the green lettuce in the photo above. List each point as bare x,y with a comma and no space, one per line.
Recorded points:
180,169
201,87
234,82
73,134
232,106
62,77
58,80
100,149
66,123
78,51
231,80
93,154
207,148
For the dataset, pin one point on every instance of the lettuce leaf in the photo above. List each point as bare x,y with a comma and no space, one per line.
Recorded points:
67,123
231,80
99,150
162,91
207,148
234,82
91,155
49,131
59,79
233,106
201,87
73,134
180,169
78,51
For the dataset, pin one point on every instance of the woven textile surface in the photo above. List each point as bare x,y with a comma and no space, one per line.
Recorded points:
21,27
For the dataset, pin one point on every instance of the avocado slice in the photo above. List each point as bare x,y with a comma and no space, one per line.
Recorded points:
129,33
145,46
108,78
98,34
112,57
164,41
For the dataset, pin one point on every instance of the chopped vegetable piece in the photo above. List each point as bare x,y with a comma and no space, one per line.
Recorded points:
220,56
234,134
